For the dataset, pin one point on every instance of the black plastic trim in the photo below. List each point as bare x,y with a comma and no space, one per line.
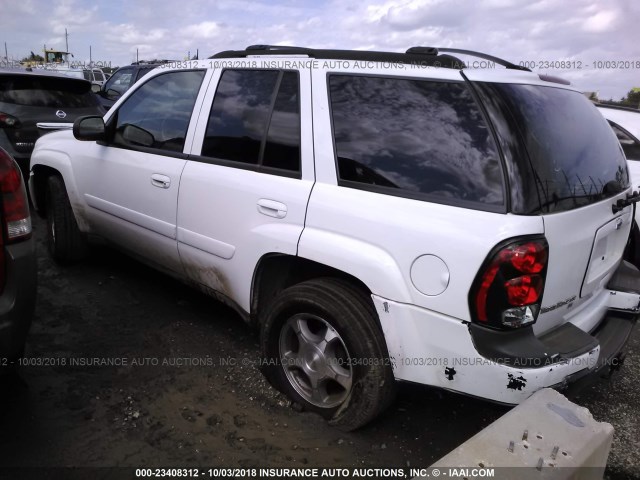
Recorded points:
245,166
472,53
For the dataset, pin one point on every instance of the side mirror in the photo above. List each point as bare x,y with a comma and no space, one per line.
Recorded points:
89,128
95,88
113,94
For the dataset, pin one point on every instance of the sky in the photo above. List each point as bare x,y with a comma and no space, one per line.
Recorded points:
598,41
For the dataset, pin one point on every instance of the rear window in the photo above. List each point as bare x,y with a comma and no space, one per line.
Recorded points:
35,91
414,138
570,156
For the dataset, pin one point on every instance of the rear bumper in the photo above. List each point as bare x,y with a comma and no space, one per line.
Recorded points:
17,301
507,367
613,335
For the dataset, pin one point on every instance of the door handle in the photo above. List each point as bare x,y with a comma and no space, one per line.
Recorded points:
160,181
271,208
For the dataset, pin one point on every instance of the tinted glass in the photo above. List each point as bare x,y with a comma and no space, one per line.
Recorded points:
629,144
415,136
157,114
54,92
240,115
571,156
143,71
282,149
120,81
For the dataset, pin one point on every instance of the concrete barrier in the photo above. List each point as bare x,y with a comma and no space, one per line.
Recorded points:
545,437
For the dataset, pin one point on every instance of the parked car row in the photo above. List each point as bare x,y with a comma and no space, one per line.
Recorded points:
390,217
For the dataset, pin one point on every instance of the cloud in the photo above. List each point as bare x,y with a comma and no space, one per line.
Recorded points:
582,30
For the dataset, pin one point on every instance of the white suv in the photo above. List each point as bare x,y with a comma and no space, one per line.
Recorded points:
380,217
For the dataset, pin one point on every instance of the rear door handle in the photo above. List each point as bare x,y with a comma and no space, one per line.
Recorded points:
160,181
271,208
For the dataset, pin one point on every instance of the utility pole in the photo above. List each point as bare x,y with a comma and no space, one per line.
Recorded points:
6,54
66,40
137,59
90,59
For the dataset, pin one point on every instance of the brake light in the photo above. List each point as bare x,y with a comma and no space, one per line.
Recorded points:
508,289
8,121
14,205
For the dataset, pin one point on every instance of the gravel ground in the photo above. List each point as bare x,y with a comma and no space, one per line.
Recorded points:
190,393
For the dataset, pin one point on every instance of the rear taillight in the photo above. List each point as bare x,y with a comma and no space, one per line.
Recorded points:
507,291
8,121
14,205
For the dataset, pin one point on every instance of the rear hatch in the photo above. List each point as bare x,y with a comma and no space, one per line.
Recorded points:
567,166
28,99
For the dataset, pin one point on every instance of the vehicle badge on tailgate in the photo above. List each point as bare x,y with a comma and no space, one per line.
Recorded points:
60,114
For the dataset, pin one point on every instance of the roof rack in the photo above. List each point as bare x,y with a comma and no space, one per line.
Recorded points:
151,62
445,61
472,53
422,55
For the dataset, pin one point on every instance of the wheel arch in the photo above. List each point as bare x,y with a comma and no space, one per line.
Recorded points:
276,272
57,164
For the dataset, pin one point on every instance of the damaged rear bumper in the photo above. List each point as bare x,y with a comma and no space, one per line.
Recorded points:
567,344
508,366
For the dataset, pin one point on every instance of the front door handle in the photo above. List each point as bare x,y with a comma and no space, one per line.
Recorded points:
271,208
160,181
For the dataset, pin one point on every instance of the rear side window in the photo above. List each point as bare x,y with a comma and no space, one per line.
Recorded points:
53,92
255,120
157,114
416,138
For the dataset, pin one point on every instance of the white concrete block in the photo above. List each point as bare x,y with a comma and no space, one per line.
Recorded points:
549,435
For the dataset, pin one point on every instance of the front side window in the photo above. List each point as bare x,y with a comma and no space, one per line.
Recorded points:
120,81
414,138
255,120
157,114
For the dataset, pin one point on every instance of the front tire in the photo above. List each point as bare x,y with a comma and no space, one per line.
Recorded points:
65,242
324,349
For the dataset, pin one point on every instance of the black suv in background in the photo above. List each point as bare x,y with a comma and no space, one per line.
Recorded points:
123,78
33,102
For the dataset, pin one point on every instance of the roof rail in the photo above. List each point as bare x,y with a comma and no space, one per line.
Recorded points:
472,53
151,62
444,61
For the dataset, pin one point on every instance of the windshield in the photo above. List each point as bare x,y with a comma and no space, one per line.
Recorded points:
561,152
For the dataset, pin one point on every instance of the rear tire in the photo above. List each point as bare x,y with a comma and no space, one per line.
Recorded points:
324,349
65,241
